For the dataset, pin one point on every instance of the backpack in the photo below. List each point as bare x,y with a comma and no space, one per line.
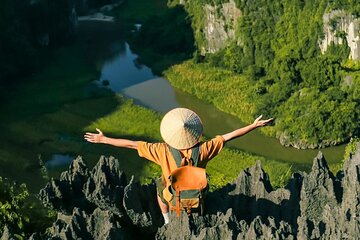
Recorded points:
188,184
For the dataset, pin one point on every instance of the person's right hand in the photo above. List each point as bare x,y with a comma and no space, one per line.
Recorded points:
94,137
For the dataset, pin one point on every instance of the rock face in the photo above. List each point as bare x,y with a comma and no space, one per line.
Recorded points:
317,205
102,204
337,22
220,24
6,234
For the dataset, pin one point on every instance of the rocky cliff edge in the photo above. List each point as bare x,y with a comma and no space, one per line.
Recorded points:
101,203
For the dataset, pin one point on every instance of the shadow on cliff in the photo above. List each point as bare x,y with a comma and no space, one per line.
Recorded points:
257,200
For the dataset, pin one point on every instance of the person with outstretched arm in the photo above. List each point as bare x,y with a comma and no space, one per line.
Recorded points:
180,128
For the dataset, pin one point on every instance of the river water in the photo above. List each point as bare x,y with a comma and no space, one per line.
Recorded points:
127,76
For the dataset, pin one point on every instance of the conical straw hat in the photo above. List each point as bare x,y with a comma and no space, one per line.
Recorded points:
181,128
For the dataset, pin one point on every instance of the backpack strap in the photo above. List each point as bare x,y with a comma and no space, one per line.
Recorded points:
195,154
176,155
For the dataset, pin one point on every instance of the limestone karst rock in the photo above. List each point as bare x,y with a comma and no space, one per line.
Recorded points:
314,205
101,204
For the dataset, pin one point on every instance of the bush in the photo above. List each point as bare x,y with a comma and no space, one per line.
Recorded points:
21,211
12,198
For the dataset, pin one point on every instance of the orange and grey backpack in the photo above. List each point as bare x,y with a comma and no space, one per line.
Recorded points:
188,183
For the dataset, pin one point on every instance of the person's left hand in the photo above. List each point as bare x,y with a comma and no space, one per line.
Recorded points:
260,123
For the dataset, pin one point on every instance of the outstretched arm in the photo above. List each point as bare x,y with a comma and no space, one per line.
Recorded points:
101,138
242,131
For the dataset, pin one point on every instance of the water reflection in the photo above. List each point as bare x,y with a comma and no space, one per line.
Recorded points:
156,94
58,160
118,50
124,70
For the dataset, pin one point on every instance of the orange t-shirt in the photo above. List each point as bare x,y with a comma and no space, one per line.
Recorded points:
160,154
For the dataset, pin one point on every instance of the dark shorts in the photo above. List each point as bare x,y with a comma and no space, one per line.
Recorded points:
160,187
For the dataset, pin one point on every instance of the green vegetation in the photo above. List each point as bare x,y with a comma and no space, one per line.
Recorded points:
226,90
351,148
225,167
20,212
168,39
277,70
24,36
139,11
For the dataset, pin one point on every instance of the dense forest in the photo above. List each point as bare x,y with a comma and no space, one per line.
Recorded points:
313,96
31,28
27,28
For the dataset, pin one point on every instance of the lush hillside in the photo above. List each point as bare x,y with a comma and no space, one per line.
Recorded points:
275,53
